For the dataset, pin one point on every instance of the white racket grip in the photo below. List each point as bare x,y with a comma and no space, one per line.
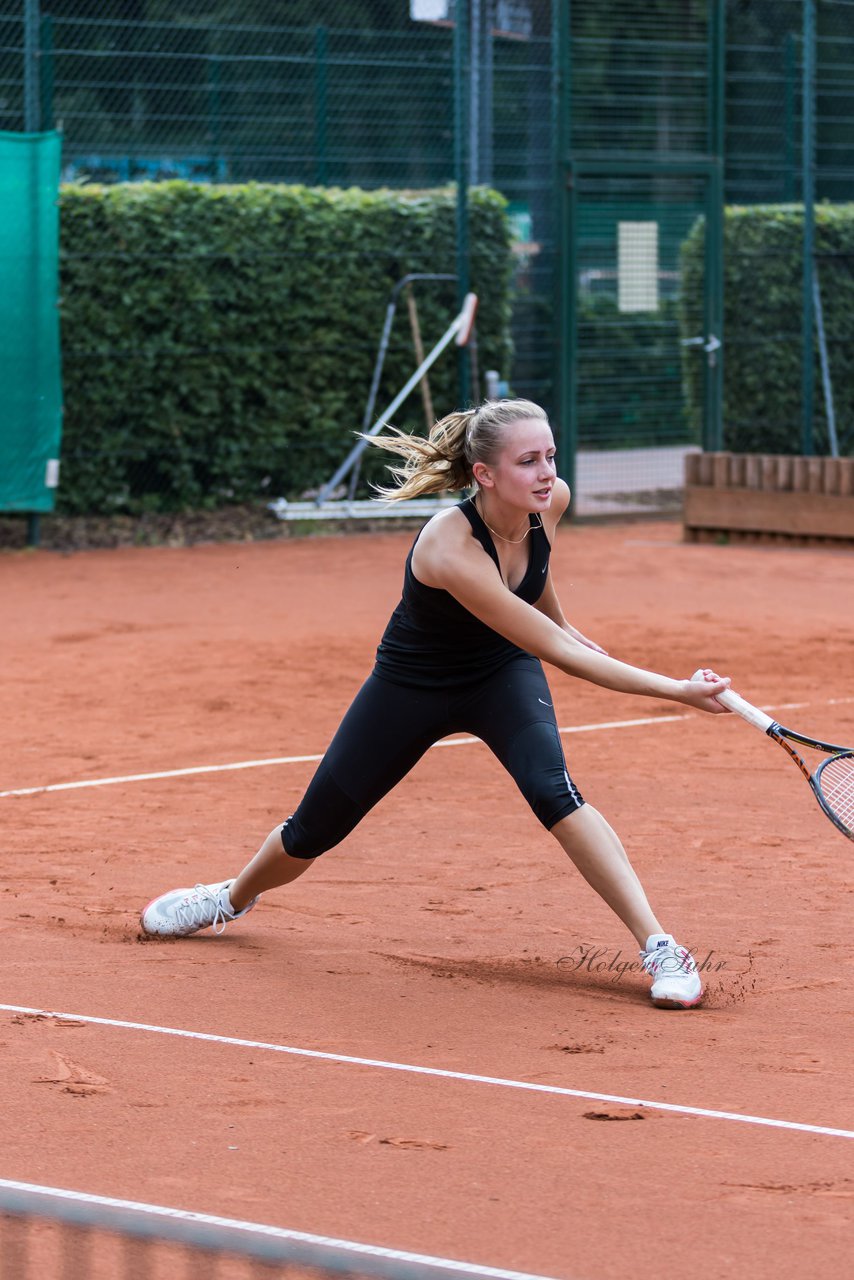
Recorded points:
734,702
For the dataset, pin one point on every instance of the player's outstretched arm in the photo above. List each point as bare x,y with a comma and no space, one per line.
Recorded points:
549,604
461,567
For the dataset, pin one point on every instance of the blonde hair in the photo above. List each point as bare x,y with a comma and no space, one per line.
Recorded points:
443,461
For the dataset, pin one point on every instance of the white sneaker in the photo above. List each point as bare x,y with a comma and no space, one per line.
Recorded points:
180,912
675,981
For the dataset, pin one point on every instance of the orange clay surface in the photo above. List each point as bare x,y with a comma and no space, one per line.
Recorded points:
447,931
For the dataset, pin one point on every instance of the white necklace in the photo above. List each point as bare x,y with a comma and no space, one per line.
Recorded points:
495,534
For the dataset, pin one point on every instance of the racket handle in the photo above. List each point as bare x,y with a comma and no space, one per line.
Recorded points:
734,702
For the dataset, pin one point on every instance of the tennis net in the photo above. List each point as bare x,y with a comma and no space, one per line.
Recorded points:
52,1234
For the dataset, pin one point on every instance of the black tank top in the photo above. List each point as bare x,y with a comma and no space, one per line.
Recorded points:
432,641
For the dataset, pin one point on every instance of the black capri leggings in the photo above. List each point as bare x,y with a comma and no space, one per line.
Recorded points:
389,727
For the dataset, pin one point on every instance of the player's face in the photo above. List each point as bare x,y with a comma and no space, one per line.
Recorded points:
525,471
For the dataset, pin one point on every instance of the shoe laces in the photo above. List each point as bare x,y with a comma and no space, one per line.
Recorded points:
196,909
669,959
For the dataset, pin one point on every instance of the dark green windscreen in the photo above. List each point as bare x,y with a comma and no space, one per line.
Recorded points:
30,387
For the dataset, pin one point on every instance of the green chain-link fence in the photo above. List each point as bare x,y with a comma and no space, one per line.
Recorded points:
226,93
639,136
764,97
362,92
786,146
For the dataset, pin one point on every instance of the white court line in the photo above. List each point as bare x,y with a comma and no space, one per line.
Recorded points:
260,1228
413,1069
273,760
313,759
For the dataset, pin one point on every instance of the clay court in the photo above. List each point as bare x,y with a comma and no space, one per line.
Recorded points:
432,1042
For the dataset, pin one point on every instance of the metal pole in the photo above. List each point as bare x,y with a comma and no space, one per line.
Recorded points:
461,174
790,72
418,348
474,92
564,269
46,73
485,159
713,291
826,382
32,124
320,105
31,66
380,360
215,115
808,166
359,447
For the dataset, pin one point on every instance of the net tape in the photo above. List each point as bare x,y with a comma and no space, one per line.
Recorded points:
81,1217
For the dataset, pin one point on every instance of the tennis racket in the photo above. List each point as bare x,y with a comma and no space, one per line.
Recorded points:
832,781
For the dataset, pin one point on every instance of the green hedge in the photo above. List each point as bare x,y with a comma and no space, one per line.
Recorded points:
762,325
219,342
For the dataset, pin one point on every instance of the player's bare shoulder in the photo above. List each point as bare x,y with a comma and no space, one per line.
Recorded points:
557,508
444,545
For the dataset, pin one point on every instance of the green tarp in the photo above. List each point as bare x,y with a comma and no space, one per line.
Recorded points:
30,387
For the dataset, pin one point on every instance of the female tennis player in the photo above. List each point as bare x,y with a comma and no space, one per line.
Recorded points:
463,652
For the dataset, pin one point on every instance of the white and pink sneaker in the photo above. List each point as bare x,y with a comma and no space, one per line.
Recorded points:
180,912
675,981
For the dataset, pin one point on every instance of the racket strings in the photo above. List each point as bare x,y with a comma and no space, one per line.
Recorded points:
837,787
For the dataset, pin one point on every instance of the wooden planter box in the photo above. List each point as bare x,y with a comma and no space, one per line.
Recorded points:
749,497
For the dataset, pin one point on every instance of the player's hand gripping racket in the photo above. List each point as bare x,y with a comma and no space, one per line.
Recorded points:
832,781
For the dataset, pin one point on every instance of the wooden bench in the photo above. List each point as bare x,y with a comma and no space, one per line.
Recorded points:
752,497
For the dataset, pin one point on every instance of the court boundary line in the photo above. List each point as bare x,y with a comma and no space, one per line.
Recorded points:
310,759
415,1069
196,770
355,1247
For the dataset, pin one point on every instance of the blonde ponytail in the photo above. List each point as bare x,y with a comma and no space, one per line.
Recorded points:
433,465
442,462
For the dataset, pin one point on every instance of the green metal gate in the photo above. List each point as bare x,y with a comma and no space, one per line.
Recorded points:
625,357
639,131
